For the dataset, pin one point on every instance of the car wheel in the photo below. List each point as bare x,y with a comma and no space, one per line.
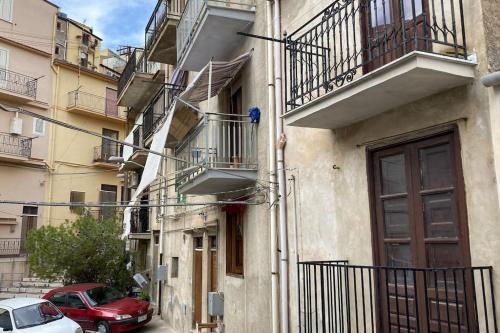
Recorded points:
103,327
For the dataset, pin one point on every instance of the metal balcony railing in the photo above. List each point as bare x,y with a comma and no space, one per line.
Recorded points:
158,18
138,138
15,145
192,15
103,152
220,141
136,63
18,83
139,222
11,247
159,105
351,38
93,103
338,297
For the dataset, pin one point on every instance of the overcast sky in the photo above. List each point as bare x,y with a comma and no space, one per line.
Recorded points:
117,22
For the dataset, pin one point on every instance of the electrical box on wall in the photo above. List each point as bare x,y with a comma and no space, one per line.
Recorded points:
16,126
161,273
215,304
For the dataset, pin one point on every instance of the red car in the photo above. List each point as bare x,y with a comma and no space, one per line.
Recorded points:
100,308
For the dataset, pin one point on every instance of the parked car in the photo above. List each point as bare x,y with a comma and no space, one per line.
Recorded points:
33,315
100,308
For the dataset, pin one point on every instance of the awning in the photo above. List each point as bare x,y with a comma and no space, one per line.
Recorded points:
223,72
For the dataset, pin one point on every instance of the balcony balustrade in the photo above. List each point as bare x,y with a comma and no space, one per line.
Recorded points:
15,145
358,58
94,106
12,247
103,152
23,86
219,155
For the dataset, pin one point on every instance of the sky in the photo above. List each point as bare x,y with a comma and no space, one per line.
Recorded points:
117,22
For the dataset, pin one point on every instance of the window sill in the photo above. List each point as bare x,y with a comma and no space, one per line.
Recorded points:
236,275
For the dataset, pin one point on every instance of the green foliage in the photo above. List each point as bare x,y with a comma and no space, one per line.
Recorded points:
145,297
83,251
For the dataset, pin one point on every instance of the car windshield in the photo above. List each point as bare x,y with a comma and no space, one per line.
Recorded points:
103,295
36,314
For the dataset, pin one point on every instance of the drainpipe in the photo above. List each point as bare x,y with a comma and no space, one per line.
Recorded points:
280,157
272,171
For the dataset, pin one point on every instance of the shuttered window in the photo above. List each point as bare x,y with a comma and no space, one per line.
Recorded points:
76,197
234,243
6,10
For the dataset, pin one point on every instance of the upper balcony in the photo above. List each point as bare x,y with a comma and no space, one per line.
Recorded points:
208,29
138,158
139,82
95,106
15,148
17,87
219,155
161,31
357,59
139,224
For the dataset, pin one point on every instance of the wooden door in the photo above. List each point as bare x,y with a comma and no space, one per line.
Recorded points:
419,221
111,102
197,280
393,28
213,268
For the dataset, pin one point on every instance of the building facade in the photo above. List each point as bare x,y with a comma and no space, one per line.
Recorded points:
26,80
389,201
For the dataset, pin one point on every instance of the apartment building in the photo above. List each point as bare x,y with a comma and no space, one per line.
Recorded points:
26,29
389,201
85,96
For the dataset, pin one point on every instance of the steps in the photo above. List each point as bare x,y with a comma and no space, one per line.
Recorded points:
28,287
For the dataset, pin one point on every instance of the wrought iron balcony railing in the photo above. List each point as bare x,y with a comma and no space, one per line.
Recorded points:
158,18
138,137
351,38
220,141
18,83
136,63
159,105
94,103
15,145
139,222
103,152
12,247
338,297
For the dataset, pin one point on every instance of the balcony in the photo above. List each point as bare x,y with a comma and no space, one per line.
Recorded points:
219,155
139,82
138,159
95,106
103,152
352,61
14,147
208,29
12,247
161,31
338,297
139,224
17,87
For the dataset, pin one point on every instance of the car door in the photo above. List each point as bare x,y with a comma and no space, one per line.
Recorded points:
77,310
5,320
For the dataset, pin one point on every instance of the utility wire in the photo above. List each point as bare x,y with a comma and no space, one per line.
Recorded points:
123,205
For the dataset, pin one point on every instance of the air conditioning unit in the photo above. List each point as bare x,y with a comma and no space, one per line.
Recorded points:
133,179
16,126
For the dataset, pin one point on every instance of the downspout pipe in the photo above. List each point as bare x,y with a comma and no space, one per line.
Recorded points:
491,80
272,172
280,165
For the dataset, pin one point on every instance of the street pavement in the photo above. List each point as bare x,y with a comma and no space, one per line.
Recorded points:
155,326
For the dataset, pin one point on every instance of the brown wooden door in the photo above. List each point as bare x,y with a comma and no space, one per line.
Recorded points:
393,28
111,102
198,281
213,268
420,222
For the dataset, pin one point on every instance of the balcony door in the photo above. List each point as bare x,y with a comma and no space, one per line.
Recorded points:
111,102
393,28
109,148
419,220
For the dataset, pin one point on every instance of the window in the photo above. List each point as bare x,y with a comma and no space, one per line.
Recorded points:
30,211
76,197
234,243
5,321
38,127
57,50
58,299
175,267
59,26
75,302
6,10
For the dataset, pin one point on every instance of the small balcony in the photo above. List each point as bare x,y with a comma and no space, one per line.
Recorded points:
161,31
353,61
138,158
94,106
12,247
334,296
103,152
14,147
139,224
139,82
208,29
219,155
17,87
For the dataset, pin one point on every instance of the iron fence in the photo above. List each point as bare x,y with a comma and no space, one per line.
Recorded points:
103,152
18,83
351,38
12,247
15,145
219,141
160,14
338,297
137,62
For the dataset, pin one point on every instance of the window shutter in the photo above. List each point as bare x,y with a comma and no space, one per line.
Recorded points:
77,197
6,10
4,57
38,126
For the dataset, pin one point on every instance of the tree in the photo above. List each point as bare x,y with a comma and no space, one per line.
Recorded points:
83,251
